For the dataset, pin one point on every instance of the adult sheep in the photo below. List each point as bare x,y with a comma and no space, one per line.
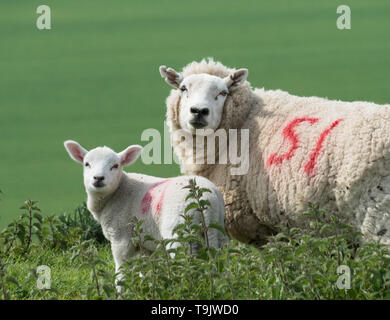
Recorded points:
302,150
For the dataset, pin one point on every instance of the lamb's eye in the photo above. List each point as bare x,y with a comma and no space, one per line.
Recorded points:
87,164
183,88
115,166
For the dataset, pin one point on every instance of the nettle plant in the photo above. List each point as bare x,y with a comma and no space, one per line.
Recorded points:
294,264
6,281
53,231
175,272
19,234
102,281
305,264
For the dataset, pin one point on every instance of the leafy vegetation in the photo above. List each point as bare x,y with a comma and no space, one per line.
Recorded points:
294,264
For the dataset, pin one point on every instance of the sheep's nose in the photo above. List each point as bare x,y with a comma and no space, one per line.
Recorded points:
99,178
198,111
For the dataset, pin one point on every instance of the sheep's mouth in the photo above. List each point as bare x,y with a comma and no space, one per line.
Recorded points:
198,123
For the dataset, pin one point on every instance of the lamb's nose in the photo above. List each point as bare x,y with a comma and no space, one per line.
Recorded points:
100,178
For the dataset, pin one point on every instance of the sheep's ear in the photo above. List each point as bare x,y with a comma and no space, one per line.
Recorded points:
75,151
236,79
129,155
171,76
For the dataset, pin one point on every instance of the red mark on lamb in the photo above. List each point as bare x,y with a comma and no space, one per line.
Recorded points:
292,136
153,194
309,166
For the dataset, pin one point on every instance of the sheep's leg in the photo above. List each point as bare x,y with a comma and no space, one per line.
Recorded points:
121,252
376,223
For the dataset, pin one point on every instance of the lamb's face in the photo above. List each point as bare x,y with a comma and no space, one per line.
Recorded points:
202,100
102,166
202,97
102,170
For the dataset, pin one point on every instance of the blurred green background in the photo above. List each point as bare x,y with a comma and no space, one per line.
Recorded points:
94,77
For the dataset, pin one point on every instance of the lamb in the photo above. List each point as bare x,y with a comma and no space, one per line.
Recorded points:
302,150
116,197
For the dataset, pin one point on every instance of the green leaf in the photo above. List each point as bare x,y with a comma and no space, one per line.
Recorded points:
201,191
204,203
215,225
12,280
149,238
191,195
192,205
38,217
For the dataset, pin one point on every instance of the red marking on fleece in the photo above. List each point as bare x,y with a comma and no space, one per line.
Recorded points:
309,166
292,136
152,194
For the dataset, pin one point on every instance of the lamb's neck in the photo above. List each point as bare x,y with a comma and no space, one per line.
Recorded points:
96,202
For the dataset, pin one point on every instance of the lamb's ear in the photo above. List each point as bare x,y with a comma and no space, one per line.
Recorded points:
129,155
171,76
75,151
236,79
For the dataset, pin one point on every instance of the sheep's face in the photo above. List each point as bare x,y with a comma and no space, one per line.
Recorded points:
202,100
202,97
102,166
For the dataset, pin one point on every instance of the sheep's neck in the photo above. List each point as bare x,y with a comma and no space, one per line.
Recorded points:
194,156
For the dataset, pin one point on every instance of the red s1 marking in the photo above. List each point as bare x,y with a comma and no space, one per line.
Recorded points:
309,166
290,135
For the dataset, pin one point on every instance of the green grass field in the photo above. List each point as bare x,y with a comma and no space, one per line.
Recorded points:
94,77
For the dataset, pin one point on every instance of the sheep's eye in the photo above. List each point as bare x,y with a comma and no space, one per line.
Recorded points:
183,88
115,166
87,164
222,93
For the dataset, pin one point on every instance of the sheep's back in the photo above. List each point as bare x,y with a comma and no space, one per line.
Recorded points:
314,150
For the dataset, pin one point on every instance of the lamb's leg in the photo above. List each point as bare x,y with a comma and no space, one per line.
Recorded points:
121,251
213,235
171,245
376,223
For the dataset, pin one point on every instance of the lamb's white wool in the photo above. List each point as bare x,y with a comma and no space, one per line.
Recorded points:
116,197
302,150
